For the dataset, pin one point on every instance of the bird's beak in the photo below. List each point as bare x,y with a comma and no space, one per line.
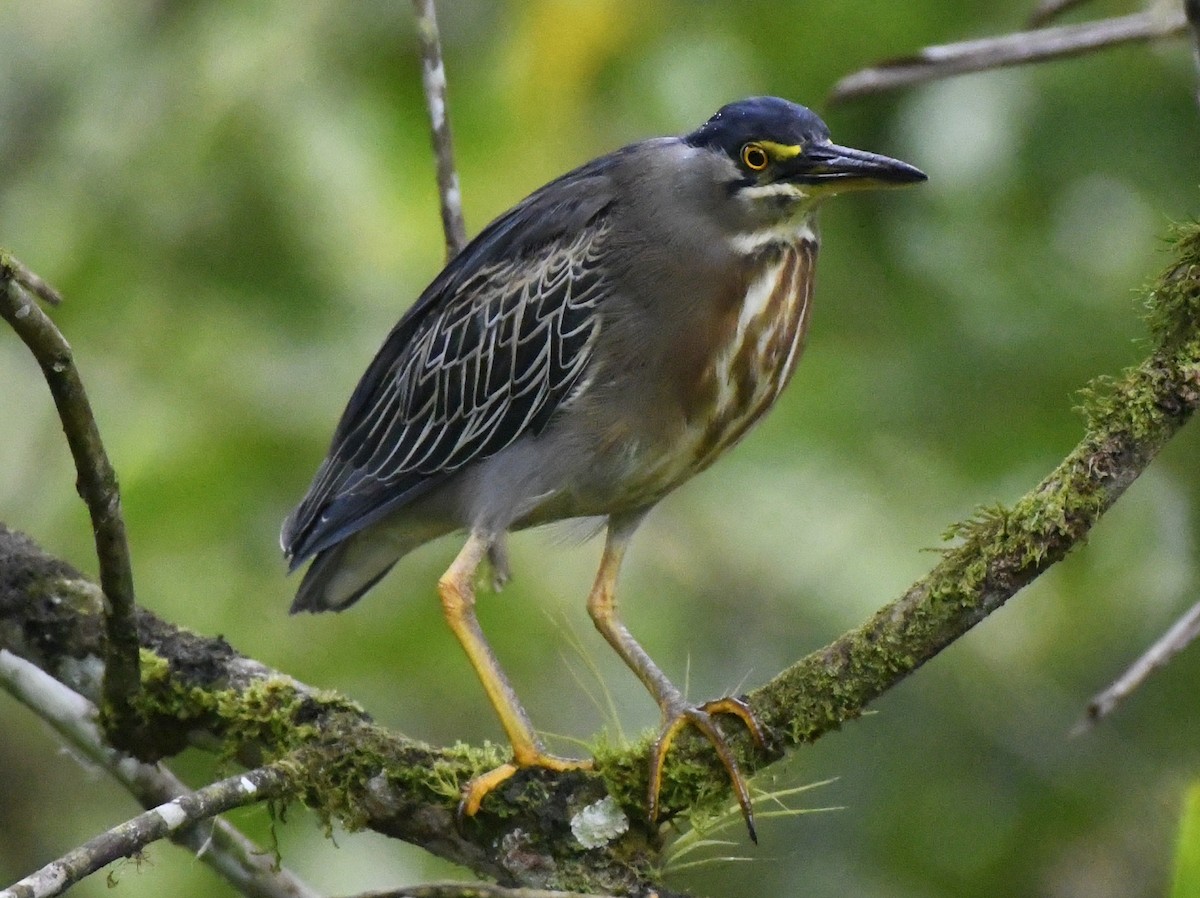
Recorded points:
834,169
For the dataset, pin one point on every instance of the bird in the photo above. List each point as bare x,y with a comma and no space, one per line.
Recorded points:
593,348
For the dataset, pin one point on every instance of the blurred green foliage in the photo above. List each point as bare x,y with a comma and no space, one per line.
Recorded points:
238,201
1186,883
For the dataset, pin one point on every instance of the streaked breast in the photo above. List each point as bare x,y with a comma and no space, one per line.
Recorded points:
750,354
759,350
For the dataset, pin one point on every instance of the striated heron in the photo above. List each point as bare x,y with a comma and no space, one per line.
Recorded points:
594,347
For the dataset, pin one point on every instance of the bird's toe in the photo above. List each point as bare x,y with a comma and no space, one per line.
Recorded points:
702,718
479,787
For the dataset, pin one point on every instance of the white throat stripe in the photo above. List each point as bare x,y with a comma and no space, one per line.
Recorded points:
789,233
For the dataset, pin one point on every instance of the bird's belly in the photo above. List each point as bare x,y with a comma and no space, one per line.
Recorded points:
750,362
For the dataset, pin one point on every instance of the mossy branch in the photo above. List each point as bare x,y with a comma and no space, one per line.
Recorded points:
351,770
200,690
1000,550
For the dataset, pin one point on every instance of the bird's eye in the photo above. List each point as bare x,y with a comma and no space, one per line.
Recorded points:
754,157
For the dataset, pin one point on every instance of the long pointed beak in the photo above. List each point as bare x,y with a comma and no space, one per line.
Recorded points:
840,168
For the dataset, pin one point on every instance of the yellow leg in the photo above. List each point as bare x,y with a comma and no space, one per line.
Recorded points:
677,713
457,592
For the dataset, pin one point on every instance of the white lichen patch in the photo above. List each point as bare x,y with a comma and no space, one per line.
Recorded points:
82,674
599,823
172,814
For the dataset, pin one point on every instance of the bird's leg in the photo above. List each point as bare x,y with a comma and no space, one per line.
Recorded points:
498,558
677,713
456,588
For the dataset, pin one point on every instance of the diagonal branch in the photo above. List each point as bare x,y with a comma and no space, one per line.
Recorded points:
468,890
12,269
96,482
1175,640
252,871
130,837
1019,48
1001,550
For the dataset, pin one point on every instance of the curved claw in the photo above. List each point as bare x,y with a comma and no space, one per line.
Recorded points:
701,717
478,788
740,709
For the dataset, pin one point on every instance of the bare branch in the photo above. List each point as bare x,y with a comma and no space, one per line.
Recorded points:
469,890
130,837
1019,48
433,79
1175,640
96,481
220,845
12,268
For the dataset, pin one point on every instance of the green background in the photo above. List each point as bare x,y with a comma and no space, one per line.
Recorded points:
238,202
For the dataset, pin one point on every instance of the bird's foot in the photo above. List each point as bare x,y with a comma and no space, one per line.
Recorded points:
477,789
701,717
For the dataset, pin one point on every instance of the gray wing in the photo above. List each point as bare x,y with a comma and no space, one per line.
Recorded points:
489,353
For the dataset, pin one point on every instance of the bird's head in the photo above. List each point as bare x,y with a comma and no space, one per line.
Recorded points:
775,161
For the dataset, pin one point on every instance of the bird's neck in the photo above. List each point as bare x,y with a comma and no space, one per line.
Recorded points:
794,231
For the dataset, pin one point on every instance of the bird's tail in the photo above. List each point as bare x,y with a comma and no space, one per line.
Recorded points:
340,575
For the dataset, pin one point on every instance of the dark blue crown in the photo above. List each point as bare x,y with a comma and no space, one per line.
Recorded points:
759,118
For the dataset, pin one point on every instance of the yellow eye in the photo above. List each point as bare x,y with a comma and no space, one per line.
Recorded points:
754,157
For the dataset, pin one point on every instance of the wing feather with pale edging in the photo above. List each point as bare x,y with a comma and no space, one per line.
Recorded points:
492,349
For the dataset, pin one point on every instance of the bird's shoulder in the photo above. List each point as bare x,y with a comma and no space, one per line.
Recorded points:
565,217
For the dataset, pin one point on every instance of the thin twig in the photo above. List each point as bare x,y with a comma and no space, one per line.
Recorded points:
96,481
1019,48
468,890
12,268
130,837
433,79
1175,640
220,845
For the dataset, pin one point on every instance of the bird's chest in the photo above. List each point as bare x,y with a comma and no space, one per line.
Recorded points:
745,358
755,352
